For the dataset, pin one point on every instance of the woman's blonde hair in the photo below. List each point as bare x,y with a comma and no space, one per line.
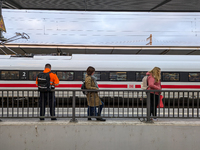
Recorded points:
156,73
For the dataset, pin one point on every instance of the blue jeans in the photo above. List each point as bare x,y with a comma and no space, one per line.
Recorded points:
93,112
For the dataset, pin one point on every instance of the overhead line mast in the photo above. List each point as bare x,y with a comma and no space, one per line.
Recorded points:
149,38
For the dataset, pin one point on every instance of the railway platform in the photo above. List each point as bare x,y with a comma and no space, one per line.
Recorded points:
177,126
30,133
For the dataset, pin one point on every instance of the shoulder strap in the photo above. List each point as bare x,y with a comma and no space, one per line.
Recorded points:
91,79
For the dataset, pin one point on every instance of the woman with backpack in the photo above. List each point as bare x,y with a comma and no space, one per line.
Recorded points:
93,99
154,83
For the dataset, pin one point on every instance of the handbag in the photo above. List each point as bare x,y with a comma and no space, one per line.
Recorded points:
83,88
161,102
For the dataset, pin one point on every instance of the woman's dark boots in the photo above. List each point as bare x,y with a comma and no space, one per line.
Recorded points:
100,119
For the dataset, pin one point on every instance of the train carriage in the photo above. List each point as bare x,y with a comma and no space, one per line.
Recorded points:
113,72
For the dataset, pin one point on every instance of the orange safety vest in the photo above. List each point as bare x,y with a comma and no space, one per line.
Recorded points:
53,78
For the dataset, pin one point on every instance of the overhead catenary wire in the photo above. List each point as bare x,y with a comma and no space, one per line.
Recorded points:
9,49
3,51
14,38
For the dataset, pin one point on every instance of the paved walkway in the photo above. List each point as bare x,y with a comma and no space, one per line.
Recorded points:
109,121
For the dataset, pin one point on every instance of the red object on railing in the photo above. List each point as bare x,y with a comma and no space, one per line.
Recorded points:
161,102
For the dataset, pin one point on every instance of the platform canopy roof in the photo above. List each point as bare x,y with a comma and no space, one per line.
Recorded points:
107,5
47,49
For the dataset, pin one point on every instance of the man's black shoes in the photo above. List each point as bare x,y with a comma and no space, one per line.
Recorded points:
42,119
100,119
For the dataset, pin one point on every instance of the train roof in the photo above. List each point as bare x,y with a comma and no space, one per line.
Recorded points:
103,62
97,57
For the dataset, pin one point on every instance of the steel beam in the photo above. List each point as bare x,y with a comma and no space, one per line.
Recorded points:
162,3
11,4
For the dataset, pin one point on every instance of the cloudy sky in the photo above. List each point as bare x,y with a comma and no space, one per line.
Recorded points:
103,28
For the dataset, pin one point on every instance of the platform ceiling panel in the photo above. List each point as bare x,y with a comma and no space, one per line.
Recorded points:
96,51
195,52
179,52
73,51
181,5
151,52
37,50
121,51
107,5
9,52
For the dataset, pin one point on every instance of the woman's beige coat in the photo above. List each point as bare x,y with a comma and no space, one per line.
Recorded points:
92,97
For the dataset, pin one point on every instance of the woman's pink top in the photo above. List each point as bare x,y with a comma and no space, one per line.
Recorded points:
152,85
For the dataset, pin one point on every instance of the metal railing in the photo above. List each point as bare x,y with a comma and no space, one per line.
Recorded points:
117,104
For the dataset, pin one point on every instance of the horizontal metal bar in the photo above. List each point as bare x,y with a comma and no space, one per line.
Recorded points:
108,90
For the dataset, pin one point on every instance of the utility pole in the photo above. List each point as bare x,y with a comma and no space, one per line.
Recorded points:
149,38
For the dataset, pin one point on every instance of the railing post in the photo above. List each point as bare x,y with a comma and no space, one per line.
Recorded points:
148,109
73,108
2,106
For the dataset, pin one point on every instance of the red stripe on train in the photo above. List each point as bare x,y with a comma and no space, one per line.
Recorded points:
100,85
69,86
18,85
181,86
66,85
137,86
176,86
113,86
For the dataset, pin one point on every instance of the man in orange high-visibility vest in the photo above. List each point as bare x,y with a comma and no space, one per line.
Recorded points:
46,95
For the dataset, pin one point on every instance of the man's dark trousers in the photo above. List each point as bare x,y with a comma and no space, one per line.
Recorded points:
44,98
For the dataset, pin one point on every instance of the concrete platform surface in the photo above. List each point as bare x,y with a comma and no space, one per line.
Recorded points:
114,134
109,121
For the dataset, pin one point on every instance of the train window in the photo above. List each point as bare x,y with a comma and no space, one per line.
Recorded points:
140,75
78,76
10,75
65,75
118,76
104,76
96,74
170,76
194,76
33,75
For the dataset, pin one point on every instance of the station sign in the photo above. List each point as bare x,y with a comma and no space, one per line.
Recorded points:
2,25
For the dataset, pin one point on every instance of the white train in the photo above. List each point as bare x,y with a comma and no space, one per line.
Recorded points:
113,71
